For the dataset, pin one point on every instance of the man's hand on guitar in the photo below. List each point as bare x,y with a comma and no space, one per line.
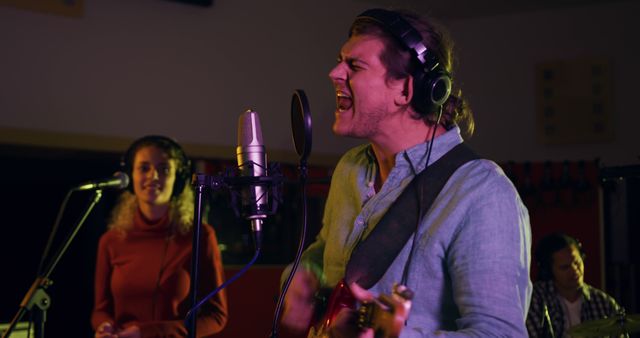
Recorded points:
299,303
346,323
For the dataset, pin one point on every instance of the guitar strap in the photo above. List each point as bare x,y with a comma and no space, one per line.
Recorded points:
373,255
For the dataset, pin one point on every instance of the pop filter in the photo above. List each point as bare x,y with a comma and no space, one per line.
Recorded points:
301,124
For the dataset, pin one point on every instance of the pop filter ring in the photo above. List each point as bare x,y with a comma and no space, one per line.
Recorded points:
301,124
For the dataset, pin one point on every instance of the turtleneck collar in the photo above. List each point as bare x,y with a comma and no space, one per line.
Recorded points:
141,223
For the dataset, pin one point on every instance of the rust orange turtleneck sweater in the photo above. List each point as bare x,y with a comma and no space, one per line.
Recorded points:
143,278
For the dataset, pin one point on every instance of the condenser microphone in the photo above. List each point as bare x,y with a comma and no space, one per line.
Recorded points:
119,180
252,162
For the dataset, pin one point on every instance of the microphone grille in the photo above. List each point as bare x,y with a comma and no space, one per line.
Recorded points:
124,179
249,130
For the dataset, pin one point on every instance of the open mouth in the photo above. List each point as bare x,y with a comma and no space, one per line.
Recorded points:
343,101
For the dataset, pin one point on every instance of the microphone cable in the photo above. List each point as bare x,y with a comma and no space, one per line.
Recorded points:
296,262
223,285
405,271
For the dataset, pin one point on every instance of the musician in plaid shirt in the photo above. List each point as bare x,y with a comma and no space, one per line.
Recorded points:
560,297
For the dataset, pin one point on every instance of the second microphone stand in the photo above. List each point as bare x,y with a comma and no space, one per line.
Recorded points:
37,294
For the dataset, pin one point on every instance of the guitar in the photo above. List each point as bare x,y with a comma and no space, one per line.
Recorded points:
385,315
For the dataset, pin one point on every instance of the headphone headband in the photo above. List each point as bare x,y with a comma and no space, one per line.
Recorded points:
404,33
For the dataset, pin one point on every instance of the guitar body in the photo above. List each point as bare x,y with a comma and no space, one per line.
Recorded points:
327,310
385,315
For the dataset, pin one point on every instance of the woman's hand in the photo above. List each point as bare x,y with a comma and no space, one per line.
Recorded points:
105,330
130,332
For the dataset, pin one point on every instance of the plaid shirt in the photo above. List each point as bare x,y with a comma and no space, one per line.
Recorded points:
595,305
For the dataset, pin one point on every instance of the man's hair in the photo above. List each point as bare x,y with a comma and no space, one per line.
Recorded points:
549,245
400,64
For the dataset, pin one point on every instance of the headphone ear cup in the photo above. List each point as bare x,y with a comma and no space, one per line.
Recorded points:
583,254
126,166
183,176
439,84
431,90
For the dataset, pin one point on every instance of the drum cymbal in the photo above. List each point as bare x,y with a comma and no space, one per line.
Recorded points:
613,326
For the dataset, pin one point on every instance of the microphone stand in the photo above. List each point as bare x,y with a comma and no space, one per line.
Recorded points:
195,254
37,294
201,182
296,262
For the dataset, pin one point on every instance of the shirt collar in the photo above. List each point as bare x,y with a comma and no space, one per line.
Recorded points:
551,288
416,156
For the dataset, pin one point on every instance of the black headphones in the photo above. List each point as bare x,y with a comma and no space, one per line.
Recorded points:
168,145
549,245
431,81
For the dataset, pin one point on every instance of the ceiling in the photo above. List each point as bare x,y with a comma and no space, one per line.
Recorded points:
463,9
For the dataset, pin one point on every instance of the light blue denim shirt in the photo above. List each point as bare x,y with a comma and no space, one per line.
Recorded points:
470,265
